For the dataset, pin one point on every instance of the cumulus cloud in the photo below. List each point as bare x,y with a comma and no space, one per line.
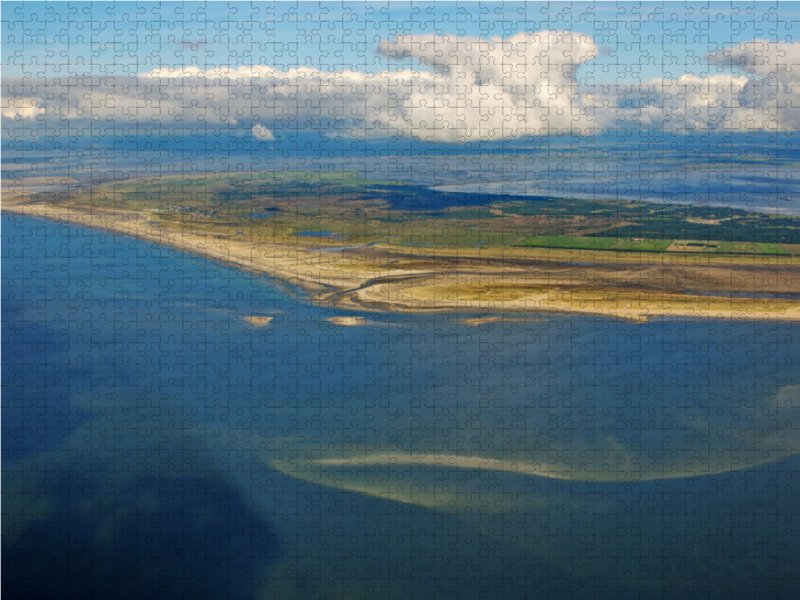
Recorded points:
434,88
491,89
21,108
769,100
262,133
681,105
455,89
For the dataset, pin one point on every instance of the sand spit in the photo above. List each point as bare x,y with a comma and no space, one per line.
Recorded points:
347,321
259,321
387,277
500,292
375,467
451,461
478,321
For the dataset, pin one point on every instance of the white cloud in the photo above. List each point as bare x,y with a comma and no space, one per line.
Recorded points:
681,105
446,88
21,108
262,133
770,100
491,89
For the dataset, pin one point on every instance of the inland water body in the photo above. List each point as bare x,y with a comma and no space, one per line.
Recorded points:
157,444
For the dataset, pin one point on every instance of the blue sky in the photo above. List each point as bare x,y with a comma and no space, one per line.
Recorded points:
637,42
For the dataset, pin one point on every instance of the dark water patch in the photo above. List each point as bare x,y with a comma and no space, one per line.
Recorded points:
765,295
321,233
154,538
344,248
36,374
422,198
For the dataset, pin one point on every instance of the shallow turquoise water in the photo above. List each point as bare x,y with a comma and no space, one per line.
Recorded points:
155,440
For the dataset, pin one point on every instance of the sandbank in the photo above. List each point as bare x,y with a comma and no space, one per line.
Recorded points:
347,321
259,321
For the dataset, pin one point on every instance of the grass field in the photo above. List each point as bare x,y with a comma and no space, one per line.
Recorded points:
750,248
650,245
274,206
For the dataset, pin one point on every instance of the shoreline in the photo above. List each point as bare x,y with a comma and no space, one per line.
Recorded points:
387,278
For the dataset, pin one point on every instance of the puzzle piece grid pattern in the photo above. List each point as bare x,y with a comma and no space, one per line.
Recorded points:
190,466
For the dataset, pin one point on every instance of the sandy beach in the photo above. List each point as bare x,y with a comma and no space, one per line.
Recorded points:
386,277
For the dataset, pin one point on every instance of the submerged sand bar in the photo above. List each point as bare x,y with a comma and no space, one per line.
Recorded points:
627,285
258,321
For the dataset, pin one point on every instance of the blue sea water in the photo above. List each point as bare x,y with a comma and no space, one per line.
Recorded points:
156,444
320,233
755,171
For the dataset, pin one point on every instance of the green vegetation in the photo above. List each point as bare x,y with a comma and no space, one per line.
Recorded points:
569,242
273,206
759,228
749,248
642,245
650,245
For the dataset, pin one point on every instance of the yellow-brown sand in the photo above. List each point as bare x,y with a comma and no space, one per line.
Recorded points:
496,319
388,277
347,321
443,460
259,321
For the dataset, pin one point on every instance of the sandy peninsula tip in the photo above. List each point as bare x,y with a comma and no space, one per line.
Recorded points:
347,321
477,321
259,321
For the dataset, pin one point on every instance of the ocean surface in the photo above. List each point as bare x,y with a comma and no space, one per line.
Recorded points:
755,171
156,444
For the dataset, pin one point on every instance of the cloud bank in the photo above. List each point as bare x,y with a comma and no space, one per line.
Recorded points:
434,88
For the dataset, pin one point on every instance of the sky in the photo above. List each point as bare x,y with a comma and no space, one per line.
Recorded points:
639,41
448,72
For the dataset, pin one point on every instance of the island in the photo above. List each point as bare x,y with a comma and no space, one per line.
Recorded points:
355,243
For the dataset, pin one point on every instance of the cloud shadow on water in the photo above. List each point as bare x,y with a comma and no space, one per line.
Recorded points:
158,537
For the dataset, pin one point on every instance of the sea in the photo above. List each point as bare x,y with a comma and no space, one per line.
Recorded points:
754,171
155,443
